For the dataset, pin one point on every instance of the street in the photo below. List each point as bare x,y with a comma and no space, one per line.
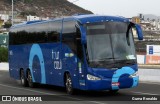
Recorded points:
9,86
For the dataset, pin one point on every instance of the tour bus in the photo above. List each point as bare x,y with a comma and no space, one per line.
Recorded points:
85,52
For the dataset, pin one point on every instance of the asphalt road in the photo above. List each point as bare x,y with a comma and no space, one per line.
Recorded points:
9,86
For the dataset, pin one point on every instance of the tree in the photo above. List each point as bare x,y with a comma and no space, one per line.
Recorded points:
7,25
3,54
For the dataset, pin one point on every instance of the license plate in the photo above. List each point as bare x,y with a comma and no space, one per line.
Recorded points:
115,84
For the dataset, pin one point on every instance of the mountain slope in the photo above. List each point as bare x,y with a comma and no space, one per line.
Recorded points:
151,17
43,8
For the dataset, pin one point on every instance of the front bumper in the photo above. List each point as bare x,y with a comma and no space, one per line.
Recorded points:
107,83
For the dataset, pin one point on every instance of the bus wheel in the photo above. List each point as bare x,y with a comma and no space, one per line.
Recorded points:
113,91
30,81
68,84
24,81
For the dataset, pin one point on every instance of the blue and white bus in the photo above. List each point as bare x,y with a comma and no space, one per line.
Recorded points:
86,52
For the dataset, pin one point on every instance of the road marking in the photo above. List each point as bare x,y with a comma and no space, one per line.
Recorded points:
51,94
144,93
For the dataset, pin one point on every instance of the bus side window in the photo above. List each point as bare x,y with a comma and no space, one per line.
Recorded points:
69,35
54,31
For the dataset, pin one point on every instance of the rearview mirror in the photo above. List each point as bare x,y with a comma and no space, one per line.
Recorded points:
139,31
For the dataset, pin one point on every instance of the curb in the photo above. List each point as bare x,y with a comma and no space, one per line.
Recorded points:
149,82
149,66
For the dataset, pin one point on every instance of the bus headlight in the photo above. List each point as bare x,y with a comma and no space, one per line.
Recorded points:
134,75
91,77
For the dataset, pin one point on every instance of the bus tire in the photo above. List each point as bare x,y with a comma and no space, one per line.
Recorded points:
24,81
30,80
68,84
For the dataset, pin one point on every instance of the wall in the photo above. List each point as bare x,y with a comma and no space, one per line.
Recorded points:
148,59
149,75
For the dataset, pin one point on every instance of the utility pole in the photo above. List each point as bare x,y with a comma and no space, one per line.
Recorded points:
12,12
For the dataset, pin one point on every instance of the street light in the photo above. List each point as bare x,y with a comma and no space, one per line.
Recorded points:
12,12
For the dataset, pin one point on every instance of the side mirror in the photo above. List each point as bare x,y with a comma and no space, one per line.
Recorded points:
139,32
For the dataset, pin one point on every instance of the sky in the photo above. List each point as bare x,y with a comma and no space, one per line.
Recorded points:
125,8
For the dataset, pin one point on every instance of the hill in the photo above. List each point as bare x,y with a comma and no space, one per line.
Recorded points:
151,17
43,8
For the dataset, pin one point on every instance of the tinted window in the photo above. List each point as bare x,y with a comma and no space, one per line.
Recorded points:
54,31
36,33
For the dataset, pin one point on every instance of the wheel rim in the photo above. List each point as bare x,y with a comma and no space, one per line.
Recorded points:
22,77
68,84
29,78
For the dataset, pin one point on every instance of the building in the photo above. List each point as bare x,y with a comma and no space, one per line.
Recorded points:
32,18
136,20
4,17
43,18
158,25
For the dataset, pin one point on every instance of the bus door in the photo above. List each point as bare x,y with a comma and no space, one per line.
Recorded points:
80,61
71,45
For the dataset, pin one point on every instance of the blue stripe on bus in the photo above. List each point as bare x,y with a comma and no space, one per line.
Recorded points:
120,72
36,51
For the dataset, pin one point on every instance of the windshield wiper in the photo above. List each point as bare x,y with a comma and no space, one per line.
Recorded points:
126,62
105,59
102,64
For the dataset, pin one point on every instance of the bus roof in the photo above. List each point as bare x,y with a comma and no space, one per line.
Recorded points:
98,18
82,18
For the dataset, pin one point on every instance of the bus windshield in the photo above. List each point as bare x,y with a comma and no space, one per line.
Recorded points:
108,41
